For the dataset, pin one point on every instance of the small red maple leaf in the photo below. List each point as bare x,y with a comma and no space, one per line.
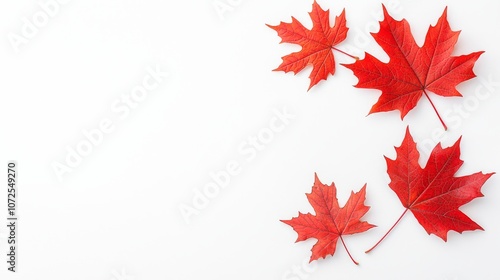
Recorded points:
433,194
330,222
413,70
317,44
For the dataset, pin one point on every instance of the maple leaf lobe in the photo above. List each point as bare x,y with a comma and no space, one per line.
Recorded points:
316,44
331,221
413,70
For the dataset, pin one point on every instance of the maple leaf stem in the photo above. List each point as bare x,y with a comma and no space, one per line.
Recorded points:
349,55
347,250
435,110
385,235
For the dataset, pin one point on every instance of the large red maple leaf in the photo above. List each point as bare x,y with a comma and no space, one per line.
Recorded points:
330,222
433,194
413,71
317,44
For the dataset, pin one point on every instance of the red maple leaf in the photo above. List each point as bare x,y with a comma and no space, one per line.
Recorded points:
330,222
433,194
317,44
412,71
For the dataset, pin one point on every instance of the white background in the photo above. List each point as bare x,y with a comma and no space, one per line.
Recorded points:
116,215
